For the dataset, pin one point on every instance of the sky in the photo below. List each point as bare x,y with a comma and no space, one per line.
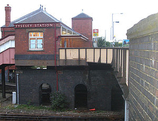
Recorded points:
100,10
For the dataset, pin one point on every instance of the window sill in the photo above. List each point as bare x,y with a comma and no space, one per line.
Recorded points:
34,50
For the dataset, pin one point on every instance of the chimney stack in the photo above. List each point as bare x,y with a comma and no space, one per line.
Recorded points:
7,15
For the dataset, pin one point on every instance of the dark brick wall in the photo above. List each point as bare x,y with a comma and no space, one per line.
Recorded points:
100,88
98,82
30,81
143,84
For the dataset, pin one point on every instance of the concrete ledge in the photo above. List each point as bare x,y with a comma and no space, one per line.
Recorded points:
144,27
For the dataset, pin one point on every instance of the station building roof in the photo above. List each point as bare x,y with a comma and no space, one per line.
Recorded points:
42,16
37,16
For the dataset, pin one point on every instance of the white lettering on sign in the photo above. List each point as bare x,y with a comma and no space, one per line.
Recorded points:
33,25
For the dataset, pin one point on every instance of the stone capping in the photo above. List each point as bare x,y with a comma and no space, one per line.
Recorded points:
144,27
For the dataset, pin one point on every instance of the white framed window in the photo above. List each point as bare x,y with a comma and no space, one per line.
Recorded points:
66,31
35,40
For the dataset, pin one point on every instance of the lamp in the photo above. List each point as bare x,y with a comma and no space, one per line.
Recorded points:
112,31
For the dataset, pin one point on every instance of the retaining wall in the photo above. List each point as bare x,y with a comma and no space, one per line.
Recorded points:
143,69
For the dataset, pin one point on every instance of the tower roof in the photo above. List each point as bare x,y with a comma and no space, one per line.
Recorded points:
81,15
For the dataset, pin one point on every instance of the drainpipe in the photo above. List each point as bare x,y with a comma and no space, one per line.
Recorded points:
55,63
17,84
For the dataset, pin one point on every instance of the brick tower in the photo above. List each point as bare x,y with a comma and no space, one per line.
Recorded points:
82,23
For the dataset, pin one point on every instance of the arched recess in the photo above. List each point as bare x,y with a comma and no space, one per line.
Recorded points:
80,96
44,94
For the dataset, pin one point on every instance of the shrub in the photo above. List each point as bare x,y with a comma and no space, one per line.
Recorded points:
101,42
59,101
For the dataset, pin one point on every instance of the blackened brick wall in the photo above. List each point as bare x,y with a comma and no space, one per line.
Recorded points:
99,84
30,82
143,78
100,88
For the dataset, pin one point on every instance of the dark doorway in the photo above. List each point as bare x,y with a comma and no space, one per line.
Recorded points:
44,93
80,96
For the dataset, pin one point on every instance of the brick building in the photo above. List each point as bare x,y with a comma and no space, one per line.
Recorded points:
38,36
40,22
143,68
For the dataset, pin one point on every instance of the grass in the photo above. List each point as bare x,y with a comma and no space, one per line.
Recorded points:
32,107
27,107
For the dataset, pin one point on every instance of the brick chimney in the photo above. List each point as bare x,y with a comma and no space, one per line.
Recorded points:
7,15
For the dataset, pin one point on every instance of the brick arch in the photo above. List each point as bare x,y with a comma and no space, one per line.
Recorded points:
80,96
44,94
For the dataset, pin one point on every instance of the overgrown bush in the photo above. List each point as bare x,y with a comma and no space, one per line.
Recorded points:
58,101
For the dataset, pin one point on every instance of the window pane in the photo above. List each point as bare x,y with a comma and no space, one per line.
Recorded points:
30,34
41,34
37,34
32,44
63,30
34,34
39,43
74,33
69,32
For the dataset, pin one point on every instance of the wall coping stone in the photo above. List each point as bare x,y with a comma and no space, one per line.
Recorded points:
144,27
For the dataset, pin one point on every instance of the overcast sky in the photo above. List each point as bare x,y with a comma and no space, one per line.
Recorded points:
100,10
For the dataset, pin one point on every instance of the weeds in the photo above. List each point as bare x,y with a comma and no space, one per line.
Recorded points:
59,101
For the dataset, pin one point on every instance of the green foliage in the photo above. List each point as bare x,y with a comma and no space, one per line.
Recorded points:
59,101
118,44
27,107
38,67
126,45
101,42
29,102
108,44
